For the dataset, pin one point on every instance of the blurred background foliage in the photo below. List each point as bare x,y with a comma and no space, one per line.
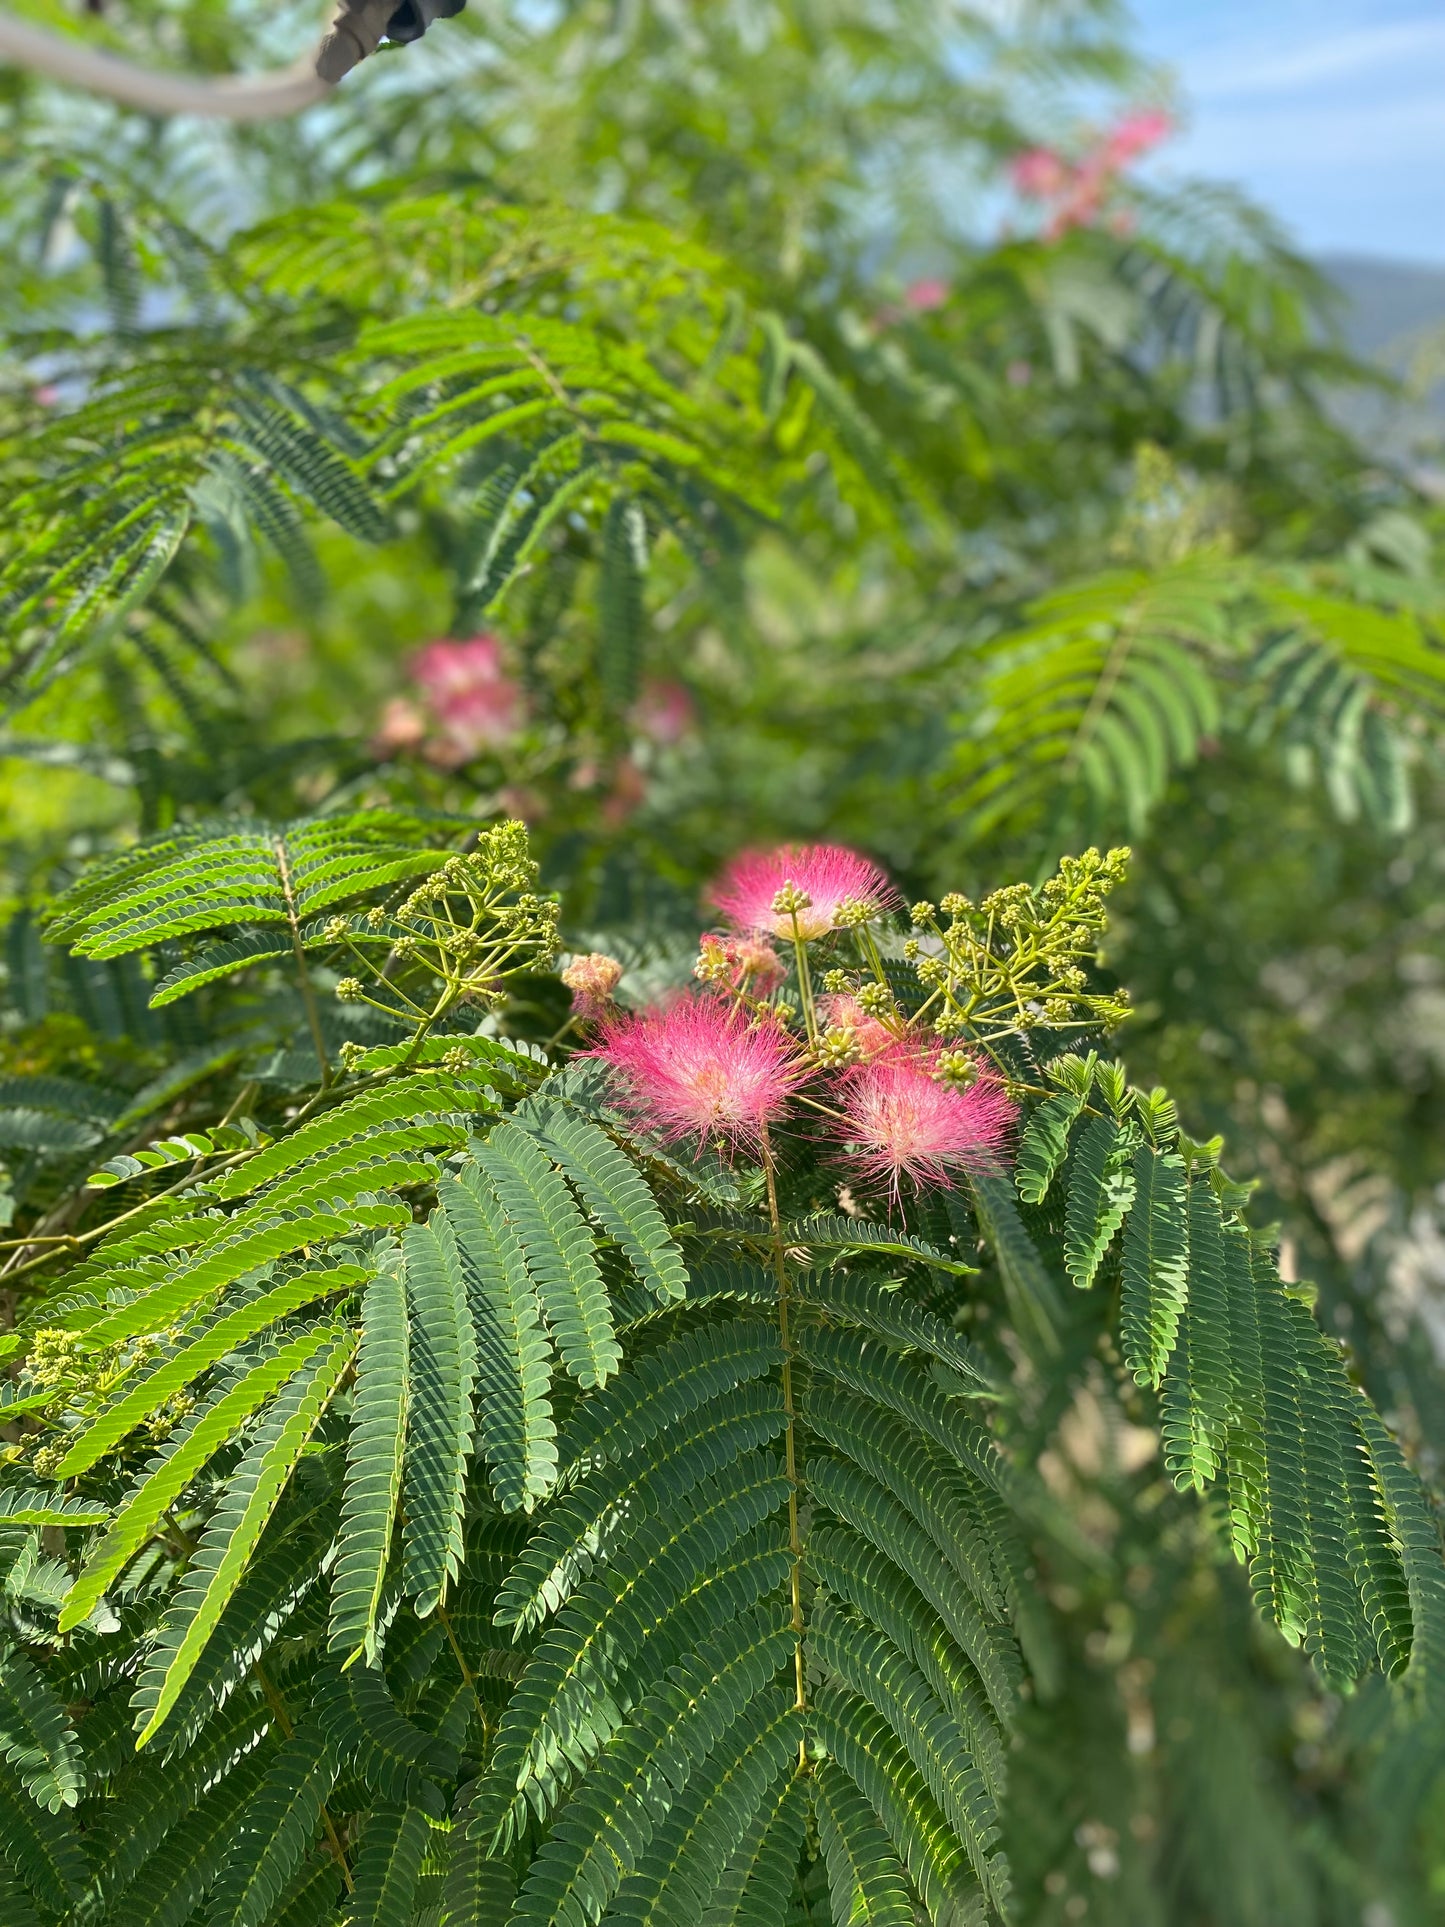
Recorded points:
695,422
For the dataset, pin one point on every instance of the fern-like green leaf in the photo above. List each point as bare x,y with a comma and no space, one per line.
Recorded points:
163,1480
374,1461
232,1534
276,1830
221,1336
1197,1378
36,1736
1045,1143
1101,1190
559,1249
388,1868
1156,1263
442,1359
515,1430
866,1883
613,1191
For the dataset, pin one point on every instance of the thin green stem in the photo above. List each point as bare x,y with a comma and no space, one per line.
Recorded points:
805,980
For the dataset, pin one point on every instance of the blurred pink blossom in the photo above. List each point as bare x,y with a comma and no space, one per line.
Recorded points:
1136,134
664,712
1074,193
1040,174
521,802
402,727
923,297
629,789
473,700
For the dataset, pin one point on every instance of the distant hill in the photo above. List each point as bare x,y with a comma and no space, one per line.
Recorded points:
1392,309
1387,299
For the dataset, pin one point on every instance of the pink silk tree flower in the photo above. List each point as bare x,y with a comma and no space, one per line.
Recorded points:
698,1068
830,877
900,1120
664,712
1135,135
476,704
924,297
1040,174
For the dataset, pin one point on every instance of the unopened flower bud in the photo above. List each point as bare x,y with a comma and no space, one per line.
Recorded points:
876,999
921,913
955,1067
348,991
838,1047
790,899
854,911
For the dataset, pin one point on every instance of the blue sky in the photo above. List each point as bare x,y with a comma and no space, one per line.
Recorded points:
1331,112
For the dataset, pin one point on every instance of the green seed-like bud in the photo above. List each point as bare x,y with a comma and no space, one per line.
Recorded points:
789,899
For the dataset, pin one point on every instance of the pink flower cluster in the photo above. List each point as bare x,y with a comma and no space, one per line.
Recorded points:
705,1066
466,703
830,877
1074,193
699,1067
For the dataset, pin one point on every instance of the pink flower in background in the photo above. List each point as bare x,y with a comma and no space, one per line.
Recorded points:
664,712
1040,174
899,1120
827,874
924,297
699,1068
1075,192
1136,134
521,802
475,703
629,789
402,727
592,980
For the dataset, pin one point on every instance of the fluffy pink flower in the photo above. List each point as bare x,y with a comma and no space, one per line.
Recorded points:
901,1121
592,980
826,873
664,712
698,1068
467,689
